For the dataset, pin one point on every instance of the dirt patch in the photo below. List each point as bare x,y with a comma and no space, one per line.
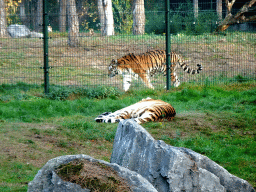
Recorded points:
92,175
32,143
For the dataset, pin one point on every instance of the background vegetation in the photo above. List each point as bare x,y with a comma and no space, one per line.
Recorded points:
216,121
182,16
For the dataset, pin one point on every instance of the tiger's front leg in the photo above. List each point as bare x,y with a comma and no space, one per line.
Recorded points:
127,80
108,117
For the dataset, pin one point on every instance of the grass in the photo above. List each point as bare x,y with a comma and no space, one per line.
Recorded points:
215,120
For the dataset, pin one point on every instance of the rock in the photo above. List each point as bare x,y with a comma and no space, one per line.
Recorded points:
47,180
170,168
17,31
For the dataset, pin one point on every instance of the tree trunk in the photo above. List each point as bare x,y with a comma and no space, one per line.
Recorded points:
39,16
239,17
62,16
138,17
23,17
108,16
3,31
195,3
219,9
101,16
73,24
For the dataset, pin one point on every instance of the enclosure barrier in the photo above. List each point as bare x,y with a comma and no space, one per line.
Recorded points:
79,49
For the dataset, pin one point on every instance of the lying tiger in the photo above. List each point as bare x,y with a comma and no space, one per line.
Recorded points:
143,111
146,65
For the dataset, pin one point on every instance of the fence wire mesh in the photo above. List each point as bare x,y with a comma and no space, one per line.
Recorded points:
225,57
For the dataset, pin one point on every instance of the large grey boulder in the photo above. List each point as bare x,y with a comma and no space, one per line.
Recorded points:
17,31
170,168
47,180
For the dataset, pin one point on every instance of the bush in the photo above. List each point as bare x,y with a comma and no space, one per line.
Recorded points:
103,92
122,16
59,92
100,92
182,20
155,22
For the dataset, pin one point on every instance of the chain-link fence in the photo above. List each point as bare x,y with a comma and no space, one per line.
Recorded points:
225,57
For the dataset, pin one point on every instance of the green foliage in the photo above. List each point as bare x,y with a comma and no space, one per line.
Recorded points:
20,86
205,23
182,20
59,92
100,92
155,22
240,79
17,91
122,12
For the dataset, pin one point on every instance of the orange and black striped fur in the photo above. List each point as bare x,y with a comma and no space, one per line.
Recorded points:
146,65
143,111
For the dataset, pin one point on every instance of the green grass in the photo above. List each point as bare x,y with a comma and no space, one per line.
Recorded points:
216,121
15,177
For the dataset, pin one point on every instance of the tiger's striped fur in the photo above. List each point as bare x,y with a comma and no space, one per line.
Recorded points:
146,65
143,111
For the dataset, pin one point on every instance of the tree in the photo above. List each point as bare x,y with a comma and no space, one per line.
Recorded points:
3,31
106,17
73,24
219,9
23,16
138,17
101,16
195,3
62,15
39,16
241,16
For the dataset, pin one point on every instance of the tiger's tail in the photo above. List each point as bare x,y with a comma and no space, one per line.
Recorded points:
187,69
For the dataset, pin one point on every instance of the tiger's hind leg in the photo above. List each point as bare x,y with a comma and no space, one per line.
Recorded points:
174,77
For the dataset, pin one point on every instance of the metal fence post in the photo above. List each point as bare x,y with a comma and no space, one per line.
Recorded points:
167,35
45,32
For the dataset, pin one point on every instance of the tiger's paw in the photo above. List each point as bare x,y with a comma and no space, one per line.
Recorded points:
107,117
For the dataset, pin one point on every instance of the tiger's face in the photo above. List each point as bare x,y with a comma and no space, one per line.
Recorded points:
112,68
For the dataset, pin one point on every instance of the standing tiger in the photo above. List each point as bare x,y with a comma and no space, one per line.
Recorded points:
143,111
146,65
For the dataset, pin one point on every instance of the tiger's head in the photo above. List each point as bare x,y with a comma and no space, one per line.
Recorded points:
112,68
